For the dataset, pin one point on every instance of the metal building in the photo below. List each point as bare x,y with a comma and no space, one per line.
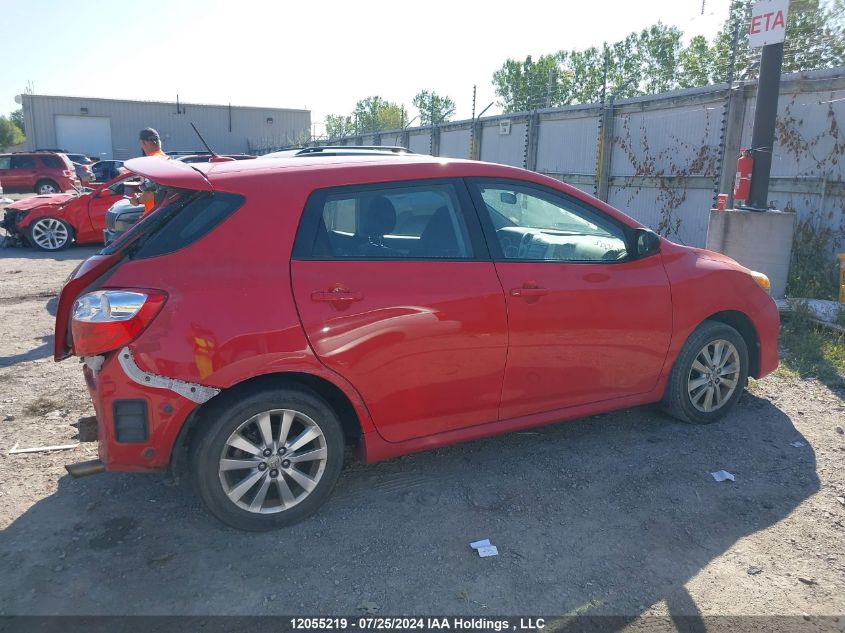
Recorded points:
108,128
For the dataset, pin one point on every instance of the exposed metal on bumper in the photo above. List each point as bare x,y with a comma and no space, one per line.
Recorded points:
191,391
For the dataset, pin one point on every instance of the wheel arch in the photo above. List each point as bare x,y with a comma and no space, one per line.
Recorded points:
328,391
745,326
42,179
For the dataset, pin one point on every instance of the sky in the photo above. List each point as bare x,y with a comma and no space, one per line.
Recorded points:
320,55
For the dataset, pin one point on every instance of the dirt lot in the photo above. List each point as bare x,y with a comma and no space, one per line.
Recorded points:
615,514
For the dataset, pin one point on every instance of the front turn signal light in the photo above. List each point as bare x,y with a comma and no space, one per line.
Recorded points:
762,281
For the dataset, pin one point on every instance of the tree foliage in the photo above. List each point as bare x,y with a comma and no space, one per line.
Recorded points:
374,114
16,117
339,125
433,108
10,134
655,60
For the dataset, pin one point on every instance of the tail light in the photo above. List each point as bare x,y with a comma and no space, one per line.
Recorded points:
108,319
67,173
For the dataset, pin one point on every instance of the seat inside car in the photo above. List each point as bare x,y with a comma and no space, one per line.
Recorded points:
376,220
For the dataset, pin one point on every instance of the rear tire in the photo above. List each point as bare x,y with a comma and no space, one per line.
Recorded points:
709,374
268,459
46,186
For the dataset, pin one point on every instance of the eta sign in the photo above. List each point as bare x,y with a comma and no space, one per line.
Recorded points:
768,22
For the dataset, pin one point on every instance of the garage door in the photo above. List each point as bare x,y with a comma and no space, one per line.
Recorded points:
90,135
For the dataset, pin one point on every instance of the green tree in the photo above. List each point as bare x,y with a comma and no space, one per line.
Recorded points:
642,63
10,134
527,85
16,117
433,108
655,60
339,125
697,63
658,49
374,114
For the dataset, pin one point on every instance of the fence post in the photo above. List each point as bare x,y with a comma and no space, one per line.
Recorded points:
475,144
532,134
735,120
435,140
605,148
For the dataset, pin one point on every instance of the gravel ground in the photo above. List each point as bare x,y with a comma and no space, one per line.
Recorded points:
615,514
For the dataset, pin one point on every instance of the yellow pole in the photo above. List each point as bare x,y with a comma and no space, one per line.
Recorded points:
841,258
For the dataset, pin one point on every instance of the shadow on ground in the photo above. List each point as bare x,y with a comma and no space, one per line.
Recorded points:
606,515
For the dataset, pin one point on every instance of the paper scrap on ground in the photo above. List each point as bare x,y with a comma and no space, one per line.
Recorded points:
478,544
489,550
797,444
722,475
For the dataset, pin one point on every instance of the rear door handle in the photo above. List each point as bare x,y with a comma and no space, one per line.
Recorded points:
336,296
529,292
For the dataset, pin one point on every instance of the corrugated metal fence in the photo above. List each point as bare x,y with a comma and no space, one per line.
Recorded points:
659,158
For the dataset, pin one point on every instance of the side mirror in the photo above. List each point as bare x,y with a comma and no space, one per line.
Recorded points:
647,242
507,197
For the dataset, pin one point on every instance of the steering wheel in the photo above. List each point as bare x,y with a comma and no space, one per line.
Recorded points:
524,245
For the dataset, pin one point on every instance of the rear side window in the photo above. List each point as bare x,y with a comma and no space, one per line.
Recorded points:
54,162
184,224
408,221
23,162
5,162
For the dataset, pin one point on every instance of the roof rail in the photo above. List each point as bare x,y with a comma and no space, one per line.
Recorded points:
393,149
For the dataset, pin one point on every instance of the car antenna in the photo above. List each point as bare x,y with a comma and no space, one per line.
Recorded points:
215,158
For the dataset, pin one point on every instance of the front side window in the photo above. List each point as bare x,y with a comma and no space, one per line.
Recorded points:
534,223
412,222
23,162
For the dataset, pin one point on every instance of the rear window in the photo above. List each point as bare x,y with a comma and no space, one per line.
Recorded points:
53,162
185,217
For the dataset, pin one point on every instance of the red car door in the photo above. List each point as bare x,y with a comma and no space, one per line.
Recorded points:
397,294
22,175
587,321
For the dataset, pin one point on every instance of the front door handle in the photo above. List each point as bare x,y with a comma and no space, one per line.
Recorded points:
529,292
337,296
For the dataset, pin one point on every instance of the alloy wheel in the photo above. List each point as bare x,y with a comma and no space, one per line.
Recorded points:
273,461
713,376
50,234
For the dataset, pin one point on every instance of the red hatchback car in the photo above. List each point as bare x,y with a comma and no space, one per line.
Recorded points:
54,221
270,312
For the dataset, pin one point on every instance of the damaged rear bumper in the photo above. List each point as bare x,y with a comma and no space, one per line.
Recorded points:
139,414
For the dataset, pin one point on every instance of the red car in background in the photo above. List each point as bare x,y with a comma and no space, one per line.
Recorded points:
52,222
41,172
271,312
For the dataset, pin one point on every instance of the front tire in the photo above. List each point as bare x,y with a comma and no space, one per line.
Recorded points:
709,374
269,459
49,234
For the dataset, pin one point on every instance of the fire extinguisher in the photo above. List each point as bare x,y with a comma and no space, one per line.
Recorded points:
742,186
